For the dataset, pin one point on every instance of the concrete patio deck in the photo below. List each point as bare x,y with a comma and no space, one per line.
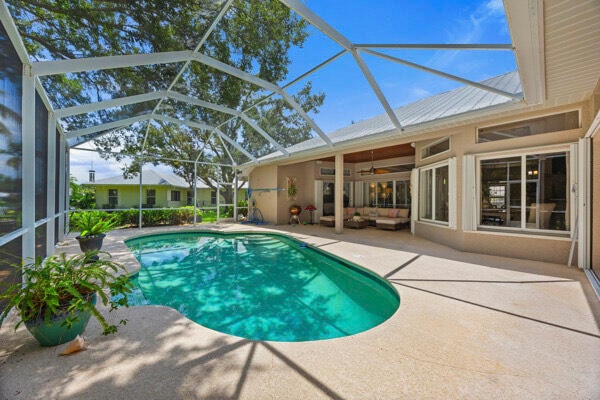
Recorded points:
468,326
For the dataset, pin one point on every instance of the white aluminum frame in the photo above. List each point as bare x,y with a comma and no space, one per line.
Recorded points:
33,70
572,154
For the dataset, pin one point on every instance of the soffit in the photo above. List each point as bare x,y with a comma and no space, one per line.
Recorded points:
572,49
384,153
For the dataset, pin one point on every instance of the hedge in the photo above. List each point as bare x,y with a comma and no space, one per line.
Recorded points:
171,216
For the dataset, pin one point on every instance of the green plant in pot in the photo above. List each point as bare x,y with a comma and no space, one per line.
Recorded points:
92,227
58,295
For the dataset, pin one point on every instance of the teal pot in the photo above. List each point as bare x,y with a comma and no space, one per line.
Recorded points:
90,243
53,332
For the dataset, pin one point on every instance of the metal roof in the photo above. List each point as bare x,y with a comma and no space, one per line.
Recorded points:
461,101
150,177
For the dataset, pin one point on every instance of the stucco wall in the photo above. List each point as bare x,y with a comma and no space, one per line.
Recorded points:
263,182
463,141
304,174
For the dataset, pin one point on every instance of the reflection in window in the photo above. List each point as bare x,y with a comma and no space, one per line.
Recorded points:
426,190
545,185
500,186
329,197
402,194
434,194
10,136
441,194
386,194
536,126
435,148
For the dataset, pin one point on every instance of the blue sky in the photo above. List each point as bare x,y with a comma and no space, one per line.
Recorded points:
348,95
350,98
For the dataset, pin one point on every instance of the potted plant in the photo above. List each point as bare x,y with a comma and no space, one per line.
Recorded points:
58,295
92,227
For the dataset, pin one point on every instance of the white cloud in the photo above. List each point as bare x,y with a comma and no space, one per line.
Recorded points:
495,6
419,92
471,29
83,161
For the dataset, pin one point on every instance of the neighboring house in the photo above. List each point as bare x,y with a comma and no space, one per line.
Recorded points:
159,190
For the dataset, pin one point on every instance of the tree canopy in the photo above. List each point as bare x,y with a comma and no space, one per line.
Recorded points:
254,36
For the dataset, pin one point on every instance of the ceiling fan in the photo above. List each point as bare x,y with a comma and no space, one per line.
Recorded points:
373,170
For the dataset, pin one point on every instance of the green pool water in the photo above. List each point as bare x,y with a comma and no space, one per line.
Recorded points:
259,286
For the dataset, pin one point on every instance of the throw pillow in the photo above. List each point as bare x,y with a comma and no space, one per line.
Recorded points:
403,213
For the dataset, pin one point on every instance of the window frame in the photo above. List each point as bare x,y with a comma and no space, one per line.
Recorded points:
448,138
450,163
570,151
153,197
114,196
518,120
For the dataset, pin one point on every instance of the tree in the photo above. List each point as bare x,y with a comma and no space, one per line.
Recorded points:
254,36
82,197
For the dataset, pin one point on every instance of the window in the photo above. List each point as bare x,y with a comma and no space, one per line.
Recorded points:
175,195
434,198
526,192
150,197
113,198
536,126
213,197
394,193
435,148
385,194
331,172
190,198
402,194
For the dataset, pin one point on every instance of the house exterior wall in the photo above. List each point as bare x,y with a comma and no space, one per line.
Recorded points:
464,142
304,174
519,245
128,196
263,183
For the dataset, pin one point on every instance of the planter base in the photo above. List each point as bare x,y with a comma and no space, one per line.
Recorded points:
54,333
90,243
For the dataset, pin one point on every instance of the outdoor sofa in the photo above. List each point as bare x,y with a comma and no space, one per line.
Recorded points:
382,218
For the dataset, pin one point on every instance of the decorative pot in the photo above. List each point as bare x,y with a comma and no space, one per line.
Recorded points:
90,243
54,333
295,210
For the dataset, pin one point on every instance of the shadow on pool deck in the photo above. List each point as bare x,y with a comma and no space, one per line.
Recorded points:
469,326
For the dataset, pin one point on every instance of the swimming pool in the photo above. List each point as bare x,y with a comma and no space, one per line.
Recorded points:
259,286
